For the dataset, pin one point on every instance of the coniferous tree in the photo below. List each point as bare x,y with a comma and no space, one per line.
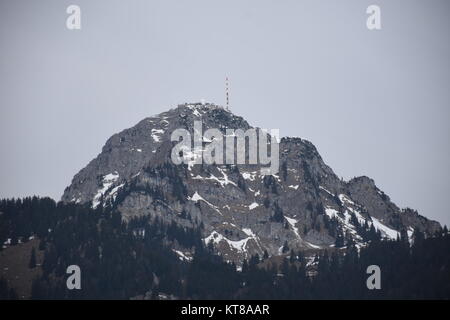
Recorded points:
292,257
339,243
244,266
241,184
418,237
278,215
285,247
284,170
254,260
4,290
42,245
32,263
266,202
404,235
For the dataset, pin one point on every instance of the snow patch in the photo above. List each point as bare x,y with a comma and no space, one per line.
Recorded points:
330,193
196,197
222,181
155,135
196,113
107,181
346,199
253,206
330,212
216,238
191,156
293,222
313,245
113,193
249,175
182,256
385,230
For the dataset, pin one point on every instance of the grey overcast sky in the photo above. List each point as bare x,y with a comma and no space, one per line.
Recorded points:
374,103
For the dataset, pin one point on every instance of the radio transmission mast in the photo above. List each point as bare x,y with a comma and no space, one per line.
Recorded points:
227,94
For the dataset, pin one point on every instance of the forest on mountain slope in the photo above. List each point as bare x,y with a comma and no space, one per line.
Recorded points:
121,260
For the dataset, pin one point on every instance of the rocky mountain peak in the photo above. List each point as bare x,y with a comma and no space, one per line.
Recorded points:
241,212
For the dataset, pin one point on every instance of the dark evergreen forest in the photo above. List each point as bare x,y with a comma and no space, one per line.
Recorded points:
122,260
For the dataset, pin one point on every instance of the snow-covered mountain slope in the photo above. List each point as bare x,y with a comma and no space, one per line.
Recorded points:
240,211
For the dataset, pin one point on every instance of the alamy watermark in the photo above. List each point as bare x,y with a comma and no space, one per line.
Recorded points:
74,280
374,19
374,280
73,21
191,150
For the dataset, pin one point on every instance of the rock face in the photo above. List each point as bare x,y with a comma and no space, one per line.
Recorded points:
240,211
